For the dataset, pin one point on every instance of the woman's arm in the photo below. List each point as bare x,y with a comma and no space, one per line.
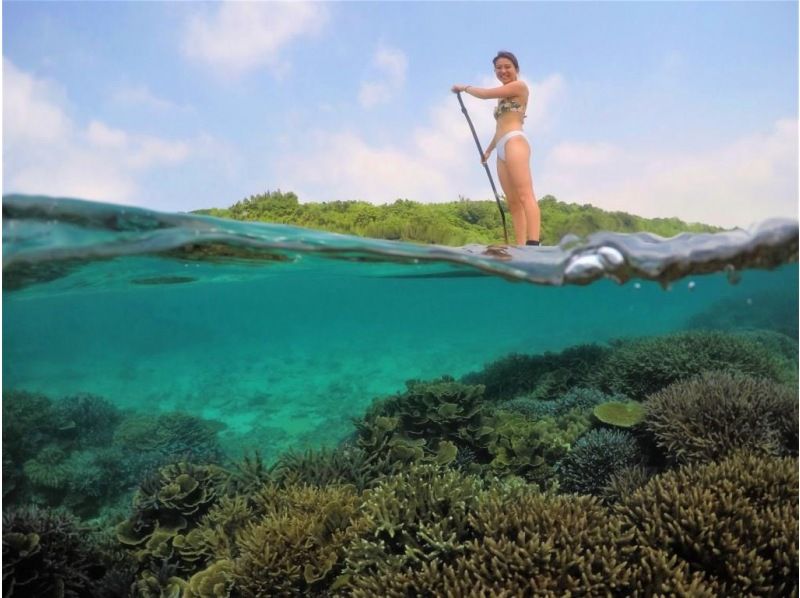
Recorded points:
515,88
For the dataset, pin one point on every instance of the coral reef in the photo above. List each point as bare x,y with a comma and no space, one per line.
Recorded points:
411,519
295,547
528,448
545,377
168,506
760,310
27,427
87,420
624,482
708,417
343,465
621,415
514,541
171,436
597,456
424,421
582,398
48,553
495,485
642,366
732,524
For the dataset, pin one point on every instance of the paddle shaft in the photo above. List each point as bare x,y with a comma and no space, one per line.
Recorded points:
485,166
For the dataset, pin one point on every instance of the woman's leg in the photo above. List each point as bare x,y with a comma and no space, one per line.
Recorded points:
514,205
518,170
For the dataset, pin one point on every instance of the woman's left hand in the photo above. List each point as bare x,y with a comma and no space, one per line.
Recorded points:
459,88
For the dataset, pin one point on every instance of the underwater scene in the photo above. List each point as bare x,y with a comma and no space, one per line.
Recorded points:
200,407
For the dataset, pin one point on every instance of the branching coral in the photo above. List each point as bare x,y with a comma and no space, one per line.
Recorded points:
580,398
323,467
411,518
639,367
514,541
623,482
596,456
709,416
296,545
92,419
732,523
544,377
171,436
46,553
28,426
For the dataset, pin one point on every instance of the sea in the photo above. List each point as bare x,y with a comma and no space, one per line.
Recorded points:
282,336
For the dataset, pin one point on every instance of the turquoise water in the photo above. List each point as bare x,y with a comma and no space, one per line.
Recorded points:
286,353
147,357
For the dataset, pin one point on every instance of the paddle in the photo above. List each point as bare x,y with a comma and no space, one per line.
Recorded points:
486,166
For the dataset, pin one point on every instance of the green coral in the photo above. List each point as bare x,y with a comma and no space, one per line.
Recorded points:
322,467
513,541
640,367
425,421
167,507
529,449
619,414
214,582
295,544
732,525
411,519
710,416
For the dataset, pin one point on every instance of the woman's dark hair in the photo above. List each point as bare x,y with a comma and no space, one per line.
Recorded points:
505,54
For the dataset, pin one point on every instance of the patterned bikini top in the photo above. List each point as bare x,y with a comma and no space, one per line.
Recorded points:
507,105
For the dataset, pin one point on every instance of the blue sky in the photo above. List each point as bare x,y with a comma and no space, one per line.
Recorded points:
686,109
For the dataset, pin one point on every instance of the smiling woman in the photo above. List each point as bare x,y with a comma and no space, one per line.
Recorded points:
513,149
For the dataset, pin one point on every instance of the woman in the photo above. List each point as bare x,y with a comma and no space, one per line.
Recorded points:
513,151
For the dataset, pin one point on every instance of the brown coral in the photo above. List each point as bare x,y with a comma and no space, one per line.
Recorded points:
730,525
515,541
709,416
411,518
296,546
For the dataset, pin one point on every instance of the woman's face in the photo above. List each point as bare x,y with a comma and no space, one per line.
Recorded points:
505,71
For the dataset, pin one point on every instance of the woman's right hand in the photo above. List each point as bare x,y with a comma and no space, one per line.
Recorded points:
486,155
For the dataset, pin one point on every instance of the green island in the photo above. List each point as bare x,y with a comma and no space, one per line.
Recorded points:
454,223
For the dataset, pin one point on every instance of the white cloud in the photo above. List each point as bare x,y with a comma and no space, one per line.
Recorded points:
372,94
29,112
391,65
47,152
737,184
434,163
242,36
544,98
140,95
101,135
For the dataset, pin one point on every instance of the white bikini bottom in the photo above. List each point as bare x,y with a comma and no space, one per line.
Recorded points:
501,143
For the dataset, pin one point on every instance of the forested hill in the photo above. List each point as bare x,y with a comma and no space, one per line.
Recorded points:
454,223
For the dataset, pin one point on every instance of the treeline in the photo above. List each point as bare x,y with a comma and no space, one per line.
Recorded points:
454,223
